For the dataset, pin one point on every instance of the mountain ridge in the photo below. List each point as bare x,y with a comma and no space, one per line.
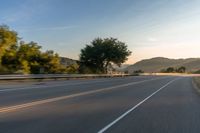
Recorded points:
156,64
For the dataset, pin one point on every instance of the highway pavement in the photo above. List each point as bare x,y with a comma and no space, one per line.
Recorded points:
142,104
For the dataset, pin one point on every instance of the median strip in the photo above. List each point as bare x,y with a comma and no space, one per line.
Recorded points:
30,104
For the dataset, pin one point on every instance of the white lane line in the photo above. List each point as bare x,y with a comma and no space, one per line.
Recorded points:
133,108
30,104
50,86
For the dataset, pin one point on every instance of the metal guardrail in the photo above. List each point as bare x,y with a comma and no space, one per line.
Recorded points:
171,74
57,76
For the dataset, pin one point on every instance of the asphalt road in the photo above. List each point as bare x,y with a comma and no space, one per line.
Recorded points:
146,104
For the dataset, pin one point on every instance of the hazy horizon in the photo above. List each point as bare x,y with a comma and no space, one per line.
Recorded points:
161,57
157,28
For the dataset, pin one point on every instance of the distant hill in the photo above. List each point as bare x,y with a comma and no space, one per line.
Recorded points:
67,61
159,63
121,68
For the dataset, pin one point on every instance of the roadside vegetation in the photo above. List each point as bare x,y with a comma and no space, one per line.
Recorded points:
101,54
19,57
196,72
181,69
137,72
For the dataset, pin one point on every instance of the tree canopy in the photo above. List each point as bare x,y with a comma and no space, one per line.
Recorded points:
181,69
28,58
101,53
8,38
17,56
20,57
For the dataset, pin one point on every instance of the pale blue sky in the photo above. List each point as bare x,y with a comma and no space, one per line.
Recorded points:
169,28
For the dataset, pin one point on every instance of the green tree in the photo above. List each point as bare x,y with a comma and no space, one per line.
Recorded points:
9,59
101,53
28,58
71,69
21,57
170,70
138,71
50,61
28,55
181,69
8,38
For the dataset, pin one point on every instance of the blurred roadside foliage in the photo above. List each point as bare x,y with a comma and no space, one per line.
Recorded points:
17,56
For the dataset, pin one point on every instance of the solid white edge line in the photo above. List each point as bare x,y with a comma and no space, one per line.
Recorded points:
133,108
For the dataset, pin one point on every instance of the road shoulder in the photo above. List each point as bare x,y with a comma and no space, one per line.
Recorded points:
196,84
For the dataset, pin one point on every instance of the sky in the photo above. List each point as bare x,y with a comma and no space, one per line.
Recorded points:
150,28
